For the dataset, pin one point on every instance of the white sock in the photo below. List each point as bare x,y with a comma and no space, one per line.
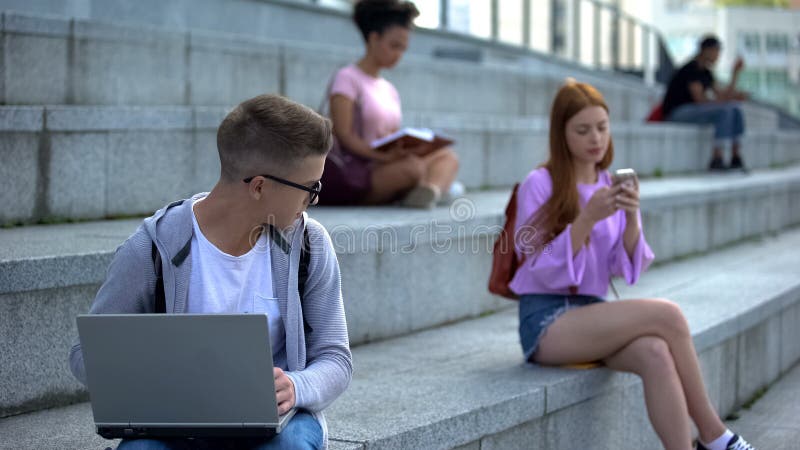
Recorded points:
720,443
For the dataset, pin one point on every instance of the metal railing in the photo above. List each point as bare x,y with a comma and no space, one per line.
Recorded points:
592,33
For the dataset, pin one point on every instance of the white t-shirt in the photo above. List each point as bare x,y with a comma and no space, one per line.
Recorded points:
222,283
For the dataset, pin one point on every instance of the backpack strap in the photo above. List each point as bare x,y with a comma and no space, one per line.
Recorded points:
302,275
305,259
160,303
160,306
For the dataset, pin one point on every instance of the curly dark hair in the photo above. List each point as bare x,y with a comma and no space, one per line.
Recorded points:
378,15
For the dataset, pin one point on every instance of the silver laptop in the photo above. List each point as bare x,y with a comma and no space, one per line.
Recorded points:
180,375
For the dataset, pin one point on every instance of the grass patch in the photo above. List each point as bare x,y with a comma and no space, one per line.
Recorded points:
487,313
779,165
749,403
732,416
756,397
56,220
126,216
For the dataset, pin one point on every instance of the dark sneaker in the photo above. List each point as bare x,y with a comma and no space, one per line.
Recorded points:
737,164
716,164
736,443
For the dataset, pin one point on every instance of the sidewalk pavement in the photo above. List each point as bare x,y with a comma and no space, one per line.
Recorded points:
773,421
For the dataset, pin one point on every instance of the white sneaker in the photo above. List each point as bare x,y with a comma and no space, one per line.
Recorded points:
736,443
457,190
423,196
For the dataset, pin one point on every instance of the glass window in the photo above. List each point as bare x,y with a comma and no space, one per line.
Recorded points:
676,5
777,43
748,80
342,5
471,17
428,13
558,36
750,42
510,21
777,78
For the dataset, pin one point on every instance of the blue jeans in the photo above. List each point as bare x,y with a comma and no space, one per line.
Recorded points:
726,118
303,432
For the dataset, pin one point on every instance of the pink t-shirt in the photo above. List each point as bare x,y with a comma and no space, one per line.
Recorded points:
553,269
377,102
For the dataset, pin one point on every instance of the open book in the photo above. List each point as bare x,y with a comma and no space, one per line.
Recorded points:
414,137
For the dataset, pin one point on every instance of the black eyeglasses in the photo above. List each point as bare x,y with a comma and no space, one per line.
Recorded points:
313,191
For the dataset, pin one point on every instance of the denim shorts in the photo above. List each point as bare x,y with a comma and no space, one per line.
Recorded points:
539,311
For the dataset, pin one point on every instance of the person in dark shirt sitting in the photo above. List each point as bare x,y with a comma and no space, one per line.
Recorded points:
687,101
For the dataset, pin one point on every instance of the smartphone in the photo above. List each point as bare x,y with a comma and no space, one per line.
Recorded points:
625,177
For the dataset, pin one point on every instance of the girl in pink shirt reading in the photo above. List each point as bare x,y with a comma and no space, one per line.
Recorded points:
575,229
364,107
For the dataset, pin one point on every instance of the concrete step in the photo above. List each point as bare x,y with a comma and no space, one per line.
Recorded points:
96,62
51,60
466,385
771,421
50,274
281,20
89,162
268,19
71,428
500,150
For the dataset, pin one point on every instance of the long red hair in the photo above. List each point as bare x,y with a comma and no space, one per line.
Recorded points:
563,206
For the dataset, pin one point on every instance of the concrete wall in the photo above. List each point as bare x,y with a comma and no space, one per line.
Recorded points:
95,162
618,418
57,270
742,316
83,162
281,19
61,61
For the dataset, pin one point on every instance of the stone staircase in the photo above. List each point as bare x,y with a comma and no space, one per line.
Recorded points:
104,120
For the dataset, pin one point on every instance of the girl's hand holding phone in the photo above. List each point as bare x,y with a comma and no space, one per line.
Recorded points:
628,197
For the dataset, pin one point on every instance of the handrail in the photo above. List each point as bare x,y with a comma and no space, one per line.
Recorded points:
619,42
642,41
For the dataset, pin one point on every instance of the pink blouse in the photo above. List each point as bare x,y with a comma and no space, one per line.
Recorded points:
377,102
553,269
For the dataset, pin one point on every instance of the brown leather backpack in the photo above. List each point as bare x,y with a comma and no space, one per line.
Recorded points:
504,258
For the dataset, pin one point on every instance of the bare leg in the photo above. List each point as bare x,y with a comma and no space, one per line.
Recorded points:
442,167
392,180
600,330
650,358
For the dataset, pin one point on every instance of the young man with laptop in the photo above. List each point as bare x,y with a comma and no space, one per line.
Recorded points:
254,344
